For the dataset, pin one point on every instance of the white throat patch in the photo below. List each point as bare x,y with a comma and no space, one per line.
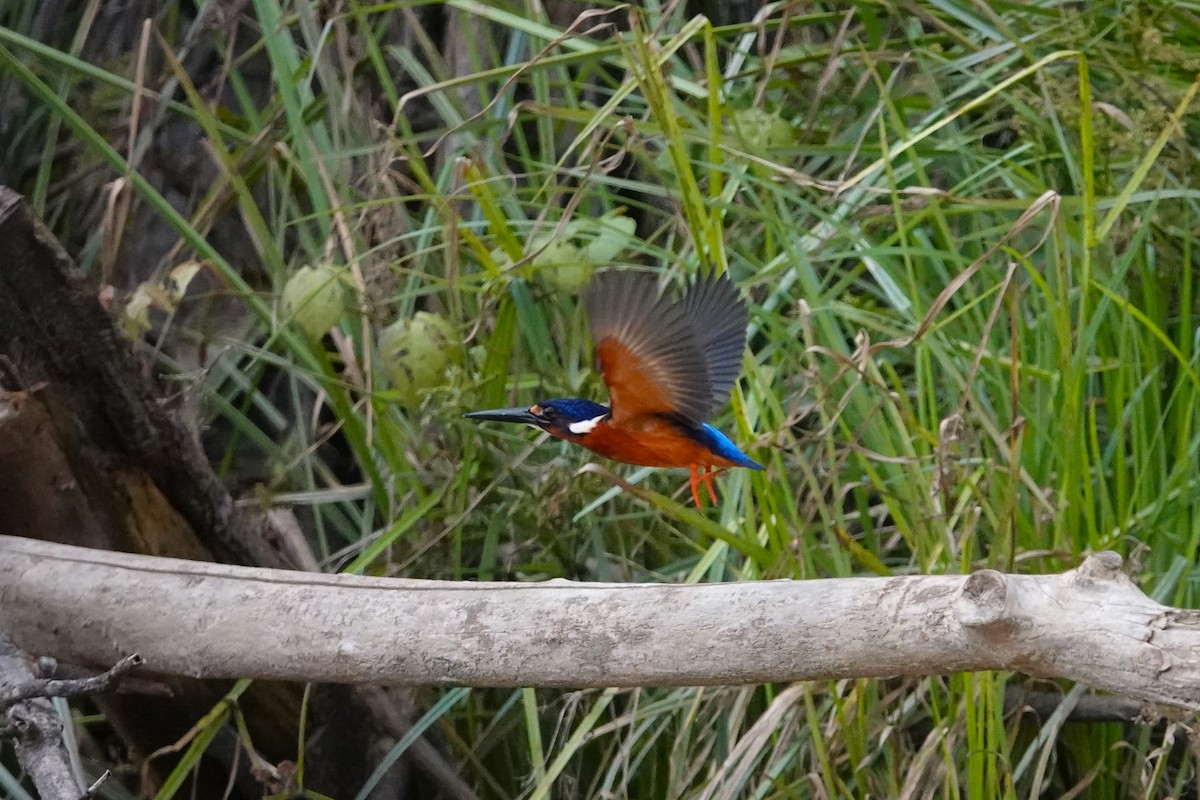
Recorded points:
586,425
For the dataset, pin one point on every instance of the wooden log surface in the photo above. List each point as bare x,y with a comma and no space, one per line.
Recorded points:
1091,624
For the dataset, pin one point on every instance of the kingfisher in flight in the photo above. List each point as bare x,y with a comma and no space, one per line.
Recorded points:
668,365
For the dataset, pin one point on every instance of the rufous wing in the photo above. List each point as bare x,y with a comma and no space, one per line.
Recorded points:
647,349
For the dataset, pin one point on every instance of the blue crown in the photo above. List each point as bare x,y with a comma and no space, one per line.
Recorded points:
576,409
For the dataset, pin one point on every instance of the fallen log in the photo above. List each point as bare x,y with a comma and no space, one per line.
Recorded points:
1090,624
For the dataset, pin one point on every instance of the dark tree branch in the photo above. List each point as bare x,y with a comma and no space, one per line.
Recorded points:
1089,708
93,454
55,333
106,681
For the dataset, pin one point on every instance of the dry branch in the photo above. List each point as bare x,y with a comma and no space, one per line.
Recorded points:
24,701
37,728
106,681
1091,625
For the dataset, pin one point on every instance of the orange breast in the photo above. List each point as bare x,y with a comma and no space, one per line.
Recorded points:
650,441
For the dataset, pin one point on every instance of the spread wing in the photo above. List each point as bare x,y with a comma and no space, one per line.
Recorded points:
647,349
718,315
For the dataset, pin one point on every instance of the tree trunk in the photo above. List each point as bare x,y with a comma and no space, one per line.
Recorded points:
92,455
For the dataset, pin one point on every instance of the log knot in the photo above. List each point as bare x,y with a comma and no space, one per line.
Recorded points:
34,723
1102,567
982,603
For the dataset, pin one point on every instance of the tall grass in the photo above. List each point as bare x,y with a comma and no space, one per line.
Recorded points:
966,232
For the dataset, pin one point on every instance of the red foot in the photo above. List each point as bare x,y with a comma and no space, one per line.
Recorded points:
701,474
695,484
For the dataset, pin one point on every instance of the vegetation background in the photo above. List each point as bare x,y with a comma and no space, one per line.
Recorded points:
966,231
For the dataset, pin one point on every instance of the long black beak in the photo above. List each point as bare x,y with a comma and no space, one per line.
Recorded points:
504,415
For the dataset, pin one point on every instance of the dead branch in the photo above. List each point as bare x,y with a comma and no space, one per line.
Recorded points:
106,681
1091,625
37,729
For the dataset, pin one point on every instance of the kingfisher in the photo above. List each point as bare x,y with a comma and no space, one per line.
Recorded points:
668,365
